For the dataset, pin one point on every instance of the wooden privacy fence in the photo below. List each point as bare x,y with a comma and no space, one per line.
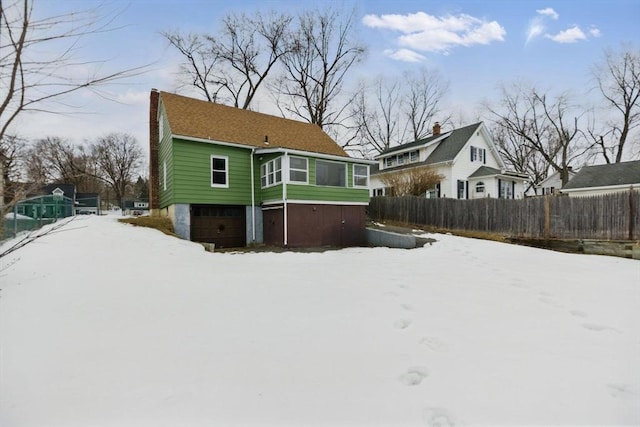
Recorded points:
609,217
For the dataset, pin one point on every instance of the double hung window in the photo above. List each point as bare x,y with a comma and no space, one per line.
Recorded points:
298,170
220,171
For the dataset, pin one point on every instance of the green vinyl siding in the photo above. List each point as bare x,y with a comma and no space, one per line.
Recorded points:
329,194
271,193
326,193
189,177
165,156
192,174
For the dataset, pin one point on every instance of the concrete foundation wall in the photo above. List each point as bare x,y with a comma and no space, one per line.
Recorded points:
390,240
259,235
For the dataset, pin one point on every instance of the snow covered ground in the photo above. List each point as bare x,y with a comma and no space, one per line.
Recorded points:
105,324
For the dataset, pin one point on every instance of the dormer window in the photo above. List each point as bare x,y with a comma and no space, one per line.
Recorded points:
413,156
390,161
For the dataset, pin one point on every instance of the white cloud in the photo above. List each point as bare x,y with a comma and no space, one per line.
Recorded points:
405,55
595,32
548,12
428,33
536,28
571,35
537,25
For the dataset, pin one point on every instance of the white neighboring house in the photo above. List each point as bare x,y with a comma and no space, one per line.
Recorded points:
467,159
552,184
604,179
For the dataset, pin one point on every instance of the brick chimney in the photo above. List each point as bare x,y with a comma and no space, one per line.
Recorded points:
436,129
154,141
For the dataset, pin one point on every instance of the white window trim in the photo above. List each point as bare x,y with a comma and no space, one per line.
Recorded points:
226,171
346,174
265,165
306,170
353,167
164,175
417,156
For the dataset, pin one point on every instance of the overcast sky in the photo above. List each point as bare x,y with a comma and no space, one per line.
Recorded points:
474,44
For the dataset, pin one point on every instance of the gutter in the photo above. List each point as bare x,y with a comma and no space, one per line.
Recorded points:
253,200
288,151
285,181
630,187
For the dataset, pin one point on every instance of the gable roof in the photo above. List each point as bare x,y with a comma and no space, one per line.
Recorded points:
625,173
485,171
195,118
450,146
69,190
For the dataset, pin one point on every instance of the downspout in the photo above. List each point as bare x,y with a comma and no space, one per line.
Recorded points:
285,180
253,200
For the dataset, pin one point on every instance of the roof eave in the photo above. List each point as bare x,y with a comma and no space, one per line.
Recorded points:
314,154
635,186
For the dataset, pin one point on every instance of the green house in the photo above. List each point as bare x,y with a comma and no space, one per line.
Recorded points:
234,177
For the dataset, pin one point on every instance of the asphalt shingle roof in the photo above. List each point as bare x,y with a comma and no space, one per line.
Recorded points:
207,120
449,147
606,175
485,171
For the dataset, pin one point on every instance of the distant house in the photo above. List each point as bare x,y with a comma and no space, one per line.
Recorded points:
233,177
53,201
136,207
87,203
552,184
604,179
466,158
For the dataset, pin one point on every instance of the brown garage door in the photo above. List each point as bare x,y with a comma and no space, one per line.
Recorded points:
223,225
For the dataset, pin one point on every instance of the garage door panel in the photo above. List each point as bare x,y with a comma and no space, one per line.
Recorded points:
225,226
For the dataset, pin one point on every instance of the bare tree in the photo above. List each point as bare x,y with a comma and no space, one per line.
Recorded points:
520,156
425,90
37,63
40,68
51,159
543,124
118,157
414,181
393,111
376,111
12,152
324,51
617,79
231,66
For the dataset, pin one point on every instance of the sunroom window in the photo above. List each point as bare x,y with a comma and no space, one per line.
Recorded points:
331,174
298,169
271,172
360,176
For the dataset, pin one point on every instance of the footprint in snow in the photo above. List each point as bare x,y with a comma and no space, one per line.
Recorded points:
438,417
407,307
402,323
621,390
433,343
578,313
414,376
596,327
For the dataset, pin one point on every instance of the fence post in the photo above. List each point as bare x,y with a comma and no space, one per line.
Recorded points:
547,217
631,213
